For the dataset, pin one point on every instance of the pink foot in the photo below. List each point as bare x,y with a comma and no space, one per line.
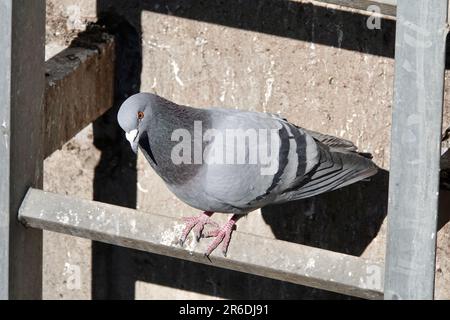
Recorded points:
222,235
198,224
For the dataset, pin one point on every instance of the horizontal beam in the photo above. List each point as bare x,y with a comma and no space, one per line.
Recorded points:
79,88
386,7
248,253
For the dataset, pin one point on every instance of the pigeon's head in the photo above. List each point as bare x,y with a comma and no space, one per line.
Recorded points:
133,116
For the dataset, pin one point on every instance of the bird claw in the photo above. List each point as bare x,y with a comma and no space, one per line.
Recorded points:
222,236
207,257
198,224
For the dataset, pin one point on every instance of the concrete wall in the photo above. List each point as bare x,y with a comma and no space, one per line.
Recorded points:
319,67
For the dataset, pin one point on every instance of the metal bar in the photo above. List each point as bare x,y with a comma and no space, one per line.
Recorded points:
415,149
22,32
79,88
247,253
386,7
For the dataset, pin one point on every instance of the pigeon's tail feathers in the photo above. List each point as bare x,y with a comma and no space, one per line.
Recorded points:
335,170
333,142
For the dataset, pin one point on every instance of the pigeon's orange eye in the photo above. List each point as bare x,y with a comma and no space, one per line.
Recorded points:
140,115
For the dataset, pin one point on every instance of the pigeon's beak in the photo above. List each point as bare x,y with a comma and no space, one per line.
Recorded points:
132,138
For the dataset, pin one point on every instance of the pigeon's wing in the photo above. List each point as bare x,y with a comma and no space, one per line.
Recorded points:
333,142
329,140
338,164
309,163
234,175
335,170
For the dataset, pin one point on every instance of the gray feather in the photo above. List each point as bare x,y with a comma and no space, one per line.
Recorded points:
332,141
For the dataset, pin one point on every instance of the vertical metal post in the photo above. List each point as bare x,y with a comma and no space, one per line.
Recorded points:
415,148
22,75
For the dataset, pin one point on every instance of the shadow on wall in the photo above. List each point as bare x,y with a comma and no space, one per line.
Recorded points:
289,19
345,220
115,176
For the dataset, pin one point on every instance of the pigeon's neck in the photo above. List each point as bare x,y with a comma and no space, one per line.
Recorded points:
169,126
168,117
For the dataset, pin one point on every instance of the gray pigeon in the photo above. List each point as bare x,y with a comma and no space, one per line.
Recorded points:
232,161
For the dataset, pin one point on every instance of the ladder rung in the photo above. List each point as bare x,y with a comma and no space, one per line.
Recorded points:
248,253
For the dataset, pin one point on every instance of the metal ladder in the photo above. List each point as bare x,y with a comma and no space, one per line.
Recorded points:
409,270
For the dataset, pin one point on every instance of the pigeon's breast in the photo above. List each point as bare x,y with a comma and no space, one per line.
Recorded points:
219,195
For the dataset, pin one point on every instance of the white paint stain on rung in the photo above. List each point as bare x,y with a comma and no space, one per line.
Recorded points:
310,264
171,236
133,228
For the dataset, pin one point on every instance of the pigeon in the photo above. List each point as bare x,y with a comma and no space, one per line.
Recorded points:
220,160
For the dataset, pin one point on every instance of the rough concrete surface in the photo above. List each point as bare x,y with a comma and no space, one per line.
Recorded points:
319,67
